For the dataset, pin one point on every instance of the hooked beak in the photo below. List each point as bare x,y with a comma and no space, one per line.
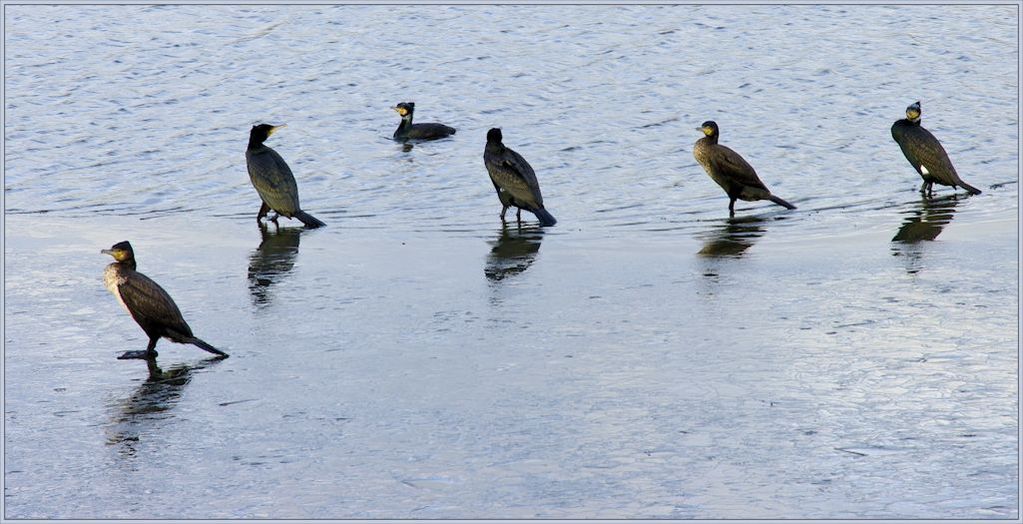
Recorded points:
274,129
107,251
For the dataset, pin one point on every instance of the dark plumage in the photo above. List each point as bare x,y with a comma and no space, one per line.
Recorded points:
409,131
730,170
151,307
925,153
273,180
514,180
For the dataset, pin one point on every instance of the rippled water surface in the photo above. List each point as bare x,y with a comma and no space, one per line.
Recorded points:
646,357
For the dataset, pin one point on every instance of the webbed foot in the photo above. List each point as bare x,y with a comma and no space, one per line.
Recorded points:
138,355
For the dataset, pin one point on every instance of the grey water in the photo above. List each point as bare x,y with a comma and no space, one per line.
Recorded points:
645,358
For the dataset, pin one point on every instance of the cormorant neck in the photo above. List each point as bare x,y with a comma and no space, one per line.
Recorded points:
495,147
405,125
127,263
255,144
711,139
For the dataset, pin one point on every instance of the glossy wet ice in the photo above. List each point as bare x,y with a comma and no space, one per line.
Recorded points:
646,357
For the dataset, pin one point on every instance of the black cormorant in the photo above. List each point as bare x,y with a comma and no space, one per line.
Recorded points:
151,307
409,131
514,180
730,170
925,153
273,180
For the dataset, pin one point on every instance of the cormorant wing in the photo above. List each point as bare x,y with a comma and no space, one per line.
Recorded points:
148,303
521,179
273,180
926,150
430,130
732,165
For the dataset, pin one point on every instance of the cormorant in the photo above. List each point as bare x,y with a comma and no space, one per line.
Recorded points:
407,130
514,180
730,170
273,180
925,153
151,307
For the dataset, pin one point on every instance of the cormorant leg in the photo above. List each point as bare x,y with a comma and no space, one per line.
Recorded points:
149,354
518,216
263,210
503,211
923,188
731,207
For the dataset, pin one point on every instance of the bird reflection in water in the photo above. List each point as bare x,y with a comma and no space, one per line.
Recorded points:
150,403
733,238
514,251
269,262
924,222
927,219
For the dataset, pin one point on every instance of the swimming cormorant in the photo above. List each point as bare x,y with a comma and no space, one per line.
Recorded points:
514,180
409,131
273,180
730,170
151,307
925,153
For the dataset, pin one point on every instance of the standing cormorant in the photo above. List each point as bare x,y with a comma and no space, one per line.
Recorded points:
514,180
151,307
925,153
730,170
273,180
409,131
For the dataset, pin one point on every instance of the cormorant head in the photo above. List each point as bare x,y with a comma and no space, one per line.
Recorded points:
405,109
494,135
121,251
913,112
709,128
260,133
